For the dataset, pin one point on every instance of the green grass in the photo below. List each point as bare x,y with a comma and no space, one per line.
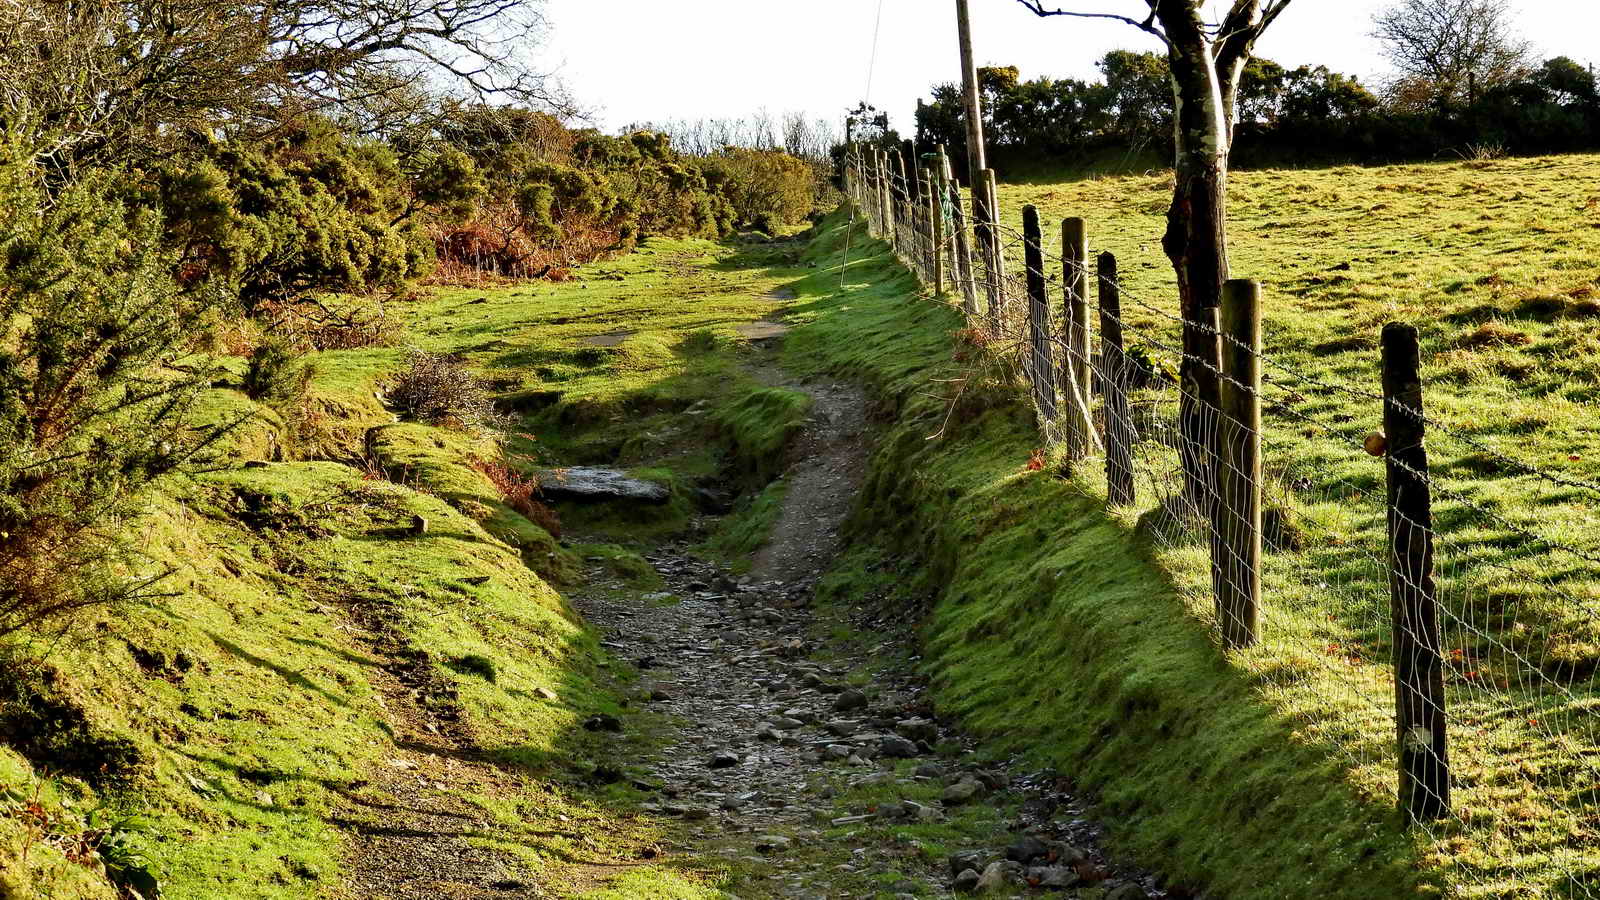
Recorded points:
1498,264
1054,633
241,712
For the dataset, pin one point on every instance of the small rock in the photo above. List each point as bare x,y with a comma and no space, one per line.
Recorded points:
1052,877
263,798
999,875
974,860
1127,891
967,881
897,747
963,791
545,693
784,723
838,751
849,700
724,761
930,770
917,730
772,843
602,722
842,727
419,526
1026,849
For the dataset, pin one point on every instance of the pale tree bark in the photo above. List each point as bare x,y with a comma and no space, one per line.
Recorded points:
1207,58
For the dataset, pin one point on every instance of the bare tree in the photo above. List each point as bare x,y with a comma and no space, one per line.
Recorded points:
1448,50
118,79
1208,60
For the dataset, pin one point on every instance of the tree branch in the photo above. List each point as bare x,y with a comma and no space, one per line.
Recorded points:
1148,25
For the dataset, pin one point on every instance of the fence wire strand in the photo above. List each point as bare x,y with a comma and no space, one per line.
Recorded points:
1518,637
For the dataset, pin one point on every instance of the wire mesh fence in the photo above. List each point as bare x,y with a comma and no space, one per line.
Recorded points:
1434,626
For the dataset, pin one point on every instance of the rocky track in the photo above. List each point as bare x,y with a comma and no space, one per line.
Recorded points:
780,731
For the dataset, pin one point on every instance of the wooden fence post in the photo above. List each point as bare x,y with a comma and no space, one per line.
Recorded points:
899,199
1418,651
885,204
994,257
1114,368
1042,372
1076,386
936,222
1239,466
969,292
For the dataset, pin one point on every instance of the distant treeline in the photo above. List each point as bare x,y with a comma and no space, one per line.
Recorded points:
1309,112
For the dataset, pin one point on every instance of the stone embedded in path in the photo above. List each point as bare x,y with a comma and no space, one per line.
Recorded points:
963,791
999,875
917,730
1026,849
1052,877
850,700
586,484
896,747
771,843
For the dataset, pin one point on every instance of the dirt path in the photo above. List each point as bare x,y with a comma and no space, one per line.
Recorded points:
789,767
408,826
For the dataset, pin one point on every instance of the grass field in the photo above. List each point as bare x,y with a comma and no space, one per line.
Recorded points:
1498,264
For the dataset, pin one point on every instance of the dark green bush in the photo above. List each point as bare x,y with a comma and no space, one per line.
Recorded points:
96,384
277,373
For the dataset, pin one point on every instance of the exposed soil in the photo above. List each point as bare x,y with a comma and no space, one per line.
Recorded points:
408,825
773,724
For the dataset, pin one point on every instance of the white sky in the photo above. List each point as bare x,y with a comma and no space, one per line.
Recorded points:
642,60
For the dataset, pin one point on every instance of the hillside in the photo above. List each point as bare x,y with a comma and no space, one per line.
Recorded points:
381,672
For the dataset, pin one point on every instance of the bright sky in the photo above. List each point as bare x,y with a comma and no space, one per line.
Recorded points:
641,60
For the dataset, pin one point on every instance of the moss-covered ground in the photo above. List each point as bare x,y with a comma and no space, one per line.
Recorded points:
226,734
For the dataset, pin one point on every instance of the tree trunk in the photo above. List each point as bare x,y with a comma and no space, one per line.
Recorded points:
1197,244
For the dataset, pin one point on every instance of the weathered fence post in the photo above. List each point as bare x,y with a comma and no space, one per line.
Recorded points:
994,257
936,184
1114,368
897,188
885,196
1041,371
1076,386
1418,651
1239,466
969,292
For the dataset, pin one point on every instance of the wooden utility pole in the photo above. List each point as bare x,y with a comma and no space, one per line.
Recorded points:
969,90
1239,466
1413,606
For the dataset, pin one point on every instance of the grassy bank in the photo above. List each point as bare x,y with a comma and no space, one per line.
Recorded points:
1053,630
222,739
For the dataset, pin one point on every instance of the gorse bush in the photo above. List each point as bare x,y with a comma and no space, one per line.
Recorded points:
95,387
439,391
277,374
763,187
308,210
